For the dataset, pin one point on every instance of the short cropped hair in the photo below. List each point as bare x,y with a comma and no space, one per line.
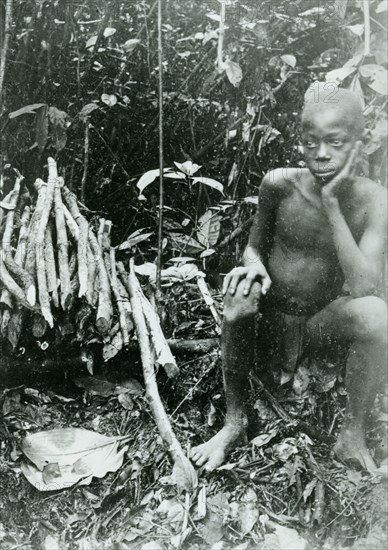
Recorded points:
322,96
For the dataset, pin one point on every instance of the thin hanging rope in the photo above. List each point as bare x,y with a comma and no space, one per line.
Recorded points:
160,217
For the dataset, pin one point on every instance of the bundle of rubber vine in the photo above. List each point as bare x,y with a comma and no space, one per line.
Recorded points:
59,271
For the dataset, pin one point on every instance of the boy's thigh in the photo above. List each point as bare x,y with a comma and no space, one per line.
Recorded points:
332,325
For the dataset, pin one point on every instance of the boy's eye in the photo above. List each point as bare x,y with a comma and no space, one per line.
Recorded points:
310,144
336,142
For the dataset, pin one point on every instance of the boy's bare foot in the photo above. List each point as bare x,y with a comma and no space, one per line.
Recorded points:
213,453
351,448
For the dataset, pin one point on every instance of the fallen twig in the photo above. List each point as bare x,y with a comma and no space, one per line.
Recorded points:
283,414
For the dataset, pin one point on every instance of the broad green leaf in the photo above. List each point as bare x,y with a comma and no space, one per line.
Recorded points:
109,31
376,76
284,538
251,200
248,511
184,243
210,182
189,168
370,70
109,99
214,17
130,45
129,243
79,454
211,35
148,269
87,110
28,109
309,488
263,439
354,61
312,11
209,226
181,260
233,72
358,30
189,271
383,6
207,253
338,75
91,42
184,474
355,86
175,175
147,179
289,59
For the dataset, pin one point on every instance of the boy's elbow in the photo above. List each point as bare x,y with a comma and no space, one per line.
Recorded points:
366,286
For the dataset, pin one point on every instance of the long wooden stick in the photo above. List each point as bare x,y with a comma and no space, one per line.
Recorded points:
187,475
91,294
51,269
6,245
83,239
15,324
86,161
12,286
62,244
13,266
30,263
161,160
104,308
116,292
161,351
44,297
4,46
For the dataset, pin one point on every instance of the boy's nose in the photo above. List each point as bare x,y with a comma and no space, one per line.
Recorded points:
322,152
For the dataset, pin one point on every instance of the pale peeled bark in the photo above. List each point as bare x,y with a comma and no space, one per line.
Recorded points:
160,347
119,301
83,239
13,267
30,260
104,307
51,269
44,297
187,475
62,249
15,324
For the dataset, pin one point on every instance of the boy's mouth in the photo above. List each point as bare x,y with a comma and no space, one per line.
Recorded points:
324,175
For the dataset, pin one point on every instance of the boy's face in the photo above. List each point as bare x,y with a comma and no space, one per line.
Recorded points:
328,140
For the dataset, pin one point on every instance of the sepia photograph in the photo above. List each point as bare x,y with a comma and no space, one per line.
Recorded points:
193,275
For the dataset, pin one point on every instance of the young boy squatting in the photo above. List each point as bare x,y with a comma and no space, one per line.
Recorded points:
315,229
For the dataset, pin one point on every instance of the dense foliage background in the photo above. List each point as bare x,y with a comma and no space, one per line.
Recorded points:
81,81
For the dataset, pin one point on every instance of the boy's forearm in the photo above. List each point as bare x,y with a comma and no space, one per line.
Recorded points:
356,269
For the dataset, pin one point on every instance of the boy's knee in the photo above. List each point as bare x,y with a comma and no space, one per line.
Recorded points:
368,318
239,306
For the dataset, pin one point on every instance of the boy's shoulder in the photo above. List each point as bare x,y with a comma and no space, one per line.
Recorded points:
285,178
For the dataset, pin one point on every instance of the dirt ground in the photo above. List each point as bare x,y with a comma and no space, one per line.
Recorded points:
283,490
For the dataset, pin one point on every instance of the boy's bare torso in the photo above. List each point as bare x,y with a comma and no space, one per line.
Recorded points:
302,261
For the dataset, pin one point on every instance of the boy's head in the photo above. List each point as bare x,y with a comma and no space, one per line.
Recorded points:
332,122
